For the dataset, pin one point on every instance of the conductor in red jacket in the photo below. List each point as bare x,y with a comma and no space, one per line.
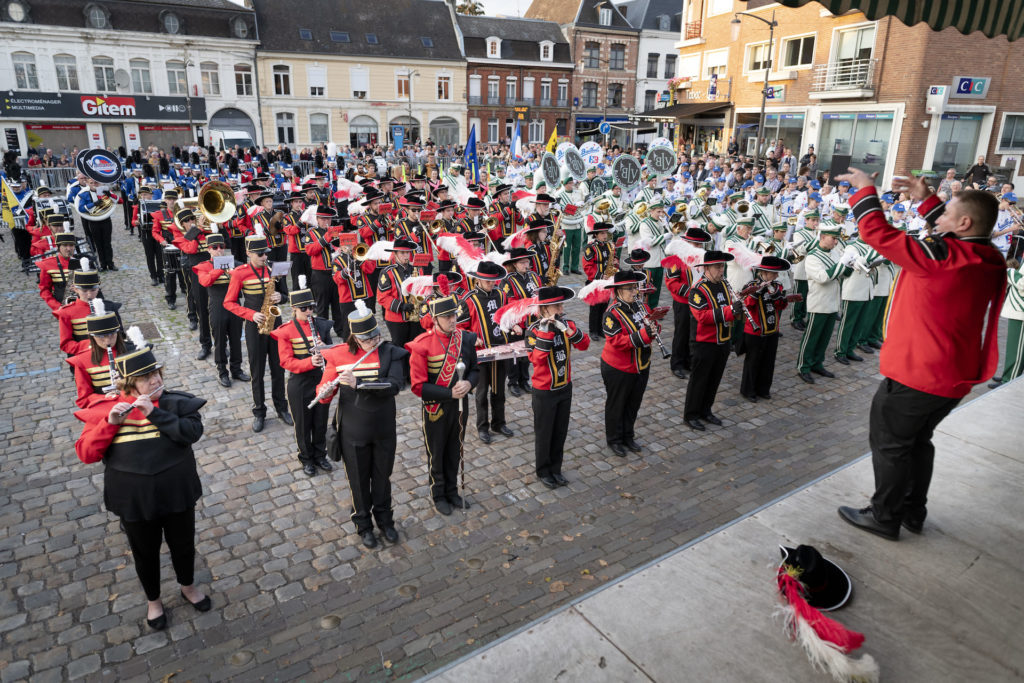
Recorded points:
937,341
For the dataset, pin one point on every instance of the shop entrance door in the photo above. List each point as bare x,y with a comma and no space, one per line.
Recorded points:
113,135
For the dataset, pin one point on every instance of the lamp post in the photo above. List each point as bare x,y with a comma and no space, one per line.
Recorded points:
188,99
411,74
767,69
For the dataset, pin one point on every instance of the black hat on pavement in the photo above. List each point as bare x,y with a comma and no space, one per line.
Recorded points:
826,586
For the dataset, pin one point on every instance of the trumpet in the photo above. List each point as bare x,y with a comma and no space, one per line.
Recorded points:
701,193
681,207
489,223
437,227
359,252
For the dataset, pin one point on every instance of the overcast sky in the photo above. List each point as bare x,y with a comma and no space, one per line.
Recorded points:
512,8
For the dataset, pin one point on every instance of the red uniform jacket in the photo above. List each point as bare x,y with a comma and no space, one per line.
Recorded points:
389,292
426,363
90,380
765,307
209,276
596,257
627,345
249,281
319,247
711,306
936,336
551,354
292,232
357,284
678,281
53,271
74,333
162,220
293,349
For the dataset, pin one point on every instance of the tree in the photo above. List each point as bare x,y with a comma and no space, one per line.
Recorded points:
470,7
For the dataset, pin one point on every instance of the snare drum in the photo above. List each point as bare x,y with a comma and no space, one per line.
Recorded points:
172,259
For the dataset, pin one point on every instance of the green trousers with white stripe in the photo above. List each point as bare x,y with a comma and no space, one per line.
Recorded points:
851,326
657,275
800,307
815,341
571,250
1013,366
872,331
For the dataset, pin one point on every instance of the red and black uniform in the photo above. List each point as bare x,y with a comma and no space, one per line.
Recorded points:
321,282
444,259
166,233
352,285
541,260
54,278
761,345
278,251
236,230
249,284
710,338
400,314
938,344
149,243
678,279
373,227
596,258
432,368
194,252
478,309
413,231
92,380
366,425
74,333
509,221
226,327
551,355
625,367
518,286
295,349
293,234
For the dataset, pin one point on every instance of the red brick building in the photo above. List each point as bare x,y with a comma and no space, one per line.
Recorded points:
517,70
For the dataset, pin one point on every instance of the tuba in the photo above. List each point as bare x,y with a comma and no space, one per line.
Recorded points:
641,209
104,168
603,206
217,201
743,207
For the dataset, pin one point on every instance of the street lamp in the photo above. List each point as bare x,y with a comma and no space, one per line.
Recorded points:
188,100
735,26
411,74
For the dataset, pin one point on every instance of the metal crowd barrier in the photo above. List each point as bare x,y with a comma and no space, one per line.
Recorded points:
56,177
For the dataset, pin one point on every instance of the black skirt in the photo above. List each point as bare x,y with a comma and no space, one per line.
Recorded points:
148,497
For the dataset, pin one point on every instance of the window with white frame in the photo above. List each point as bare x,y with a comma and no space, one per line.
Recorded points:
536,130
604,16
547,51
589,95
67,72
177,83
719,7
316,78
282,79
492,130
402,86
319,128
1011,135
210,72
494,48
285,128
360,79
25,71
243,80
798,52
528,89
474,89
493,88
142,82
545,92
444,88
563,92
103,69
689,66
715,62
757,57
510,90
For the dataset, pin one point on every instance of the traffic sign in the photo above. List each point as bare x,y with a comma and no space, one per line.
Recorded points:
604,128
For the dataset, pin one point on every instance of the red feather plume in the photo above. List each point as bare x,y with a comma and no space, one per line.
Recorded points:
512,314
596,292
443,285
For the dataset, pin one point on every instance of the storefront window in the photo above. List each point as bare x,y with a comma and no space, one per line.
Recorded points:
958,142
788,128
863,138
362,130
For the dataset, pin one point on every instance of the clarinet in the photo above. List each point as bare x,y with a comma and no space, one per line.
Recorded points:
653,330
732,295
114,374
315,336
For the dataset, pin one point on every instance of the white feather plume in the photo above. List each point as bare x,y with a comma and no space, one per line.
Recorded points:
85,265
378,251
829,657
746,258
643,243
253,210
462,194
594,287
257,230
349,189
496,257
526,206
361,309
421,285
688,253
302,281
309,215
66,226
98,307
214,228
135,337
357,208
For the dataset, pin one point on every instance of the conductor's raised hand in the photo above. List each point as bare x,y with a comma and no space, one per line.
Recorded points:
917,188
858,178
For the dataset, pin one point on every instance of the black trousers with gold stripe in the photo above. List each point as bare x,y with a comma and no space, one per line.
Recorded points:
310,423
625,394
262,348
443,438
550,426
491,388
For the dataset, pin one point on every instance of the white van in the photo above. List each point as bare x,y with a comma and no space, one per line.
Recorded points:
227,139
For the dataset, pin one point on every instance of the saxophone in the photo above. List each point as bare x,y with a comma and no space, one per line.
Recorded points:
612,266
269,309
557,242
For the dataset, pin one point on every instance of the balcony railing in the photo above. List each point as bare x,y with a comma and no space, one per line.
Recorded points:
493,99
545,101
693,30
562,102
476,99
844,74
524,102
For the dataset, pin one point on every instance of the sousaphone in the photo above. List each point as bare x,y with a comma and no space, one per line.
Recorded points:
105,168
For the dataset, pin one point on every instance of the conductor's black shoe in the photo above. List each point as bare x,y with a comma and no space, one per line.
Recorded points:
443,506
484,435
514,390
766,396
875,345
204,353
618,449
390,534
285,417
525,387
866,348
799,324
159,623
458,501
153,282
864,518
681,374
549,482
324,465
112,267
843,360
503,430
914,526
823,372
854,357
257,424
369,540
996,383
171,305
711,419
224,380
805,376
633,446
203,605
240,375
560,480
309,469
696,424
750,397
193,325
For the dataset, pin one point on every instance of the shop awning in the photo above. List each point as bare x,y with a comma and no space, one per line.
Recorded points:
991,17
685,110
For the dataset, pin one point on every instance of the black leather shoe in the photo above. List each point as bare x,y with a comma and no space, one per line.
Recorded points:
696,424
390,534
204,353
864,518
765,396
158,624
595,336
203,605
458,502
525,388
618,449
224,380
153,282
503,430
799,325
997,383
241,376
865,348
171,306
681,374
484,435
711,419
324,465
875,345
549,482
560,480
750,397
443,506
854,357
823,372
112,267
257,424
193,325
369,540
514,390
285,417
805,376
309,470
633,446
842,360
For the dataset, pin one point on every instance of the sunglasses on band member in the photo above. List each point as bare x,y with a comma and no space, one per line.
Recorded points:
303,308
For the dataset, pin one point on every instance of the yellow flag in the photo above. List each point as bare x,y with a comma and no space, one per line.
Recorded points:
553,141
9,201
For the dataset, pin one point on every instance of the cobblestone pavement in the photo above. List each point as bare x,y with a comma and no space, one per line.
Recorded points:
295,594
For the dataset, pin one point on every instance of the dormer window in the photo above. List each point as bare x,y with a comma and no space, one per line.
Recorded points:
170,22
547,51
664,22
604,16
97,16
494,48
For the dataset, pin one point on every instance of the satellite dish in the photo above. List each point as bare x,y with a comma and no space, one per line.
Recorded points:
122,79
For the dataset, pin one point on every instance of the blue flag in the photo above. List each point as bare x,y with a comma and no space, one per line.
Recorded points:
470,155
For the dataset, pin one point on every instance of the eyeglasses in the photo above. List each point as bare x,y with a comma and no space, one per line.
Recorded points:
304,308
